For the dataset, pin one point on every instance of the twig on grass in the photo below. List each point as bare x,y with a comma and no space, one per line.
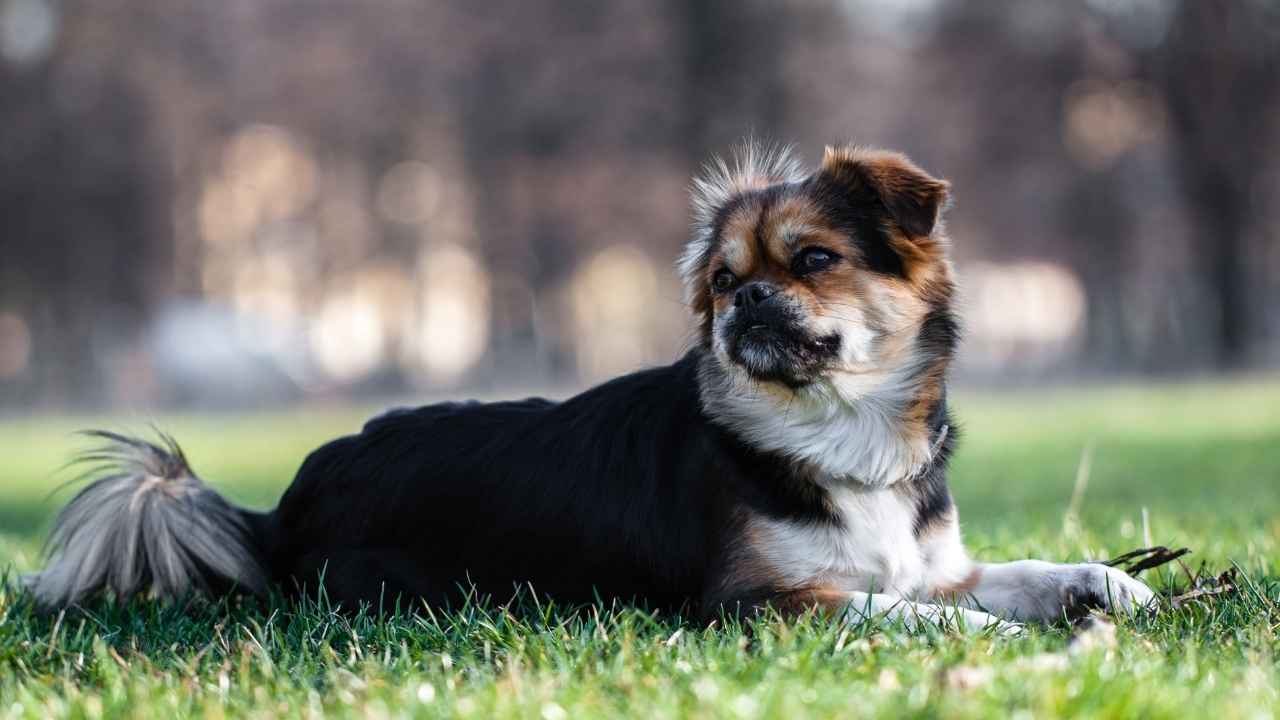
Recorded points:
1136,561
1201,584
1224,583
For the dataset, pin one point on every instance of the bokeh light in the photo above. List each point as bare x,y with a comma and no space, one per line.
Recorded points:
452,327
15,345
1028,311
28,29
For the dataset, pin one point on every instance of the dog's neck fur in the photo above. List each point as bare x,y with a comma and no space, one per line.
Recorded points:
849,429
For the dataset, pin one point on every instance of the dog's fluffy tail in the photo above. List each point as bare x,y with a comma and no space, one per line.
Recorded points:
146,524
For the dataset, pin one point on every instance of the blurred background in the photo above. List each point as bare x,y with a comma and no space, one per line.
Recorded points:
251,203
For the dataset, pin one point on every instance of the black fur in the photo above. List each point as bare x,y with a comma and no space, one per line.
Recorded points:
625,491
931,492
858,212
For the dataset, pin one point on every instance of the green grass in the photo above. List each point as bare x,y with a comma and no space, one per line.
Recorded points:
1203,461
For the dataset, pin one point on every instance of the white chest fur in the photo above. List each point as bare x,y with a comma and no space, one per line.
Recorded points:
847,428
872,549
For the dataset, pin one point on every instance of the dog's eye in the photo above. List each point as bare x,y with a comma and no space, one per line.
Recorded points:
723,280
811,260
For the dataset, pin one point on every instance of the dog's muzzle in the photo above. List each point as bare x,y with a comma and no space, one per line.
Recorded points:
767,337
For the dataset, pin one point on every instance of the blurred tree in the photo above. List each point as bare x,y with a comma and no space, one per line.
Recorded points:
734,82
1218,70
1010,68
83,202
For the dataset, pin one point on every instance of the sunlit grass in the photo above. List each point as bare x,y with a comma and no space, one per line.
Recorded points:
1202,460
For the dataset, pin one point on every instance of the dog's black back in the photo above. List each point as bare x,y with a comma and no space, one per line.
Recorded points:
625,491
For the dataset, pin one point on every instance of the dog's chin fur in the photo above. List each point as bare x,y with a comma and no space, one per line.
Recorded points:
837,416
840,428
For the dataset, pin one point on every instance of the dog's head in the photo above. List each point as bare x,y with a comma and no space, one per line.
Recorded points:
825,286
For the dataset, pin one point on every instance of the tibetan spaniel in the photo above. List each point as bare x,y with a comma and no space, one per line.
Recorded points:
795,458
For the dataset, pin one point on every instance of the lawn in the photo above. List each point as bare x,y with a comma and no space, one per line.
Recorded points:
1193,465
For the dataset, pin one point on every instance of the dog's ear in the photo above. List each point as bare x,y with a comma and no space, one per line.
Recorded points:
915,200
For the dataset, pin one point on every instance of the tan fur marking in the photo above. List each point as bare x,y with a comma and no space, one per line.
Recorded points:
829,600
737,249
748,568
914,198
788,224
963,587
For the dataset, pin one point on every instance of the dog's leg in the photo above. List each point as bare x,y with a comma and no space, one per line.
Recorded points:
876,607
976,595
1025,590
1034,590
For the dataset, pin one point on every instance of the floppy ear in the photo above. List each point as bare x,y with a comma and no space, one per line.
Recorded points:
914,199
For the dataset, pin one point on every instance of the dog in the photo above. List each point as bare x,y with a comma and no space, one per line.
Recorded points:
794,458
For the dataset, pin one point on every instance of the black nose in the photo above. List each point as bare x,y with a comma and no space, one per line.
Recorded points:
753,294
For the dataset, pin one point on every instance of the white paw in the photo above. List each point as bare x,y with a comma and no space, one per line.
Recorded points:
1095,585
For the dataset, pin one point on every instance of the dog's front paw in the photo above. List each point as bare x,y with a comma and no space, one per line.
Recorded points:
1092,585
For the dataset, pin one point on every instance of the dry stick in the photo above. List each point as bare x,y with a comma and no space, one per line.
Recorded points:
1192,577
1136,561
1198,586
1221,585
